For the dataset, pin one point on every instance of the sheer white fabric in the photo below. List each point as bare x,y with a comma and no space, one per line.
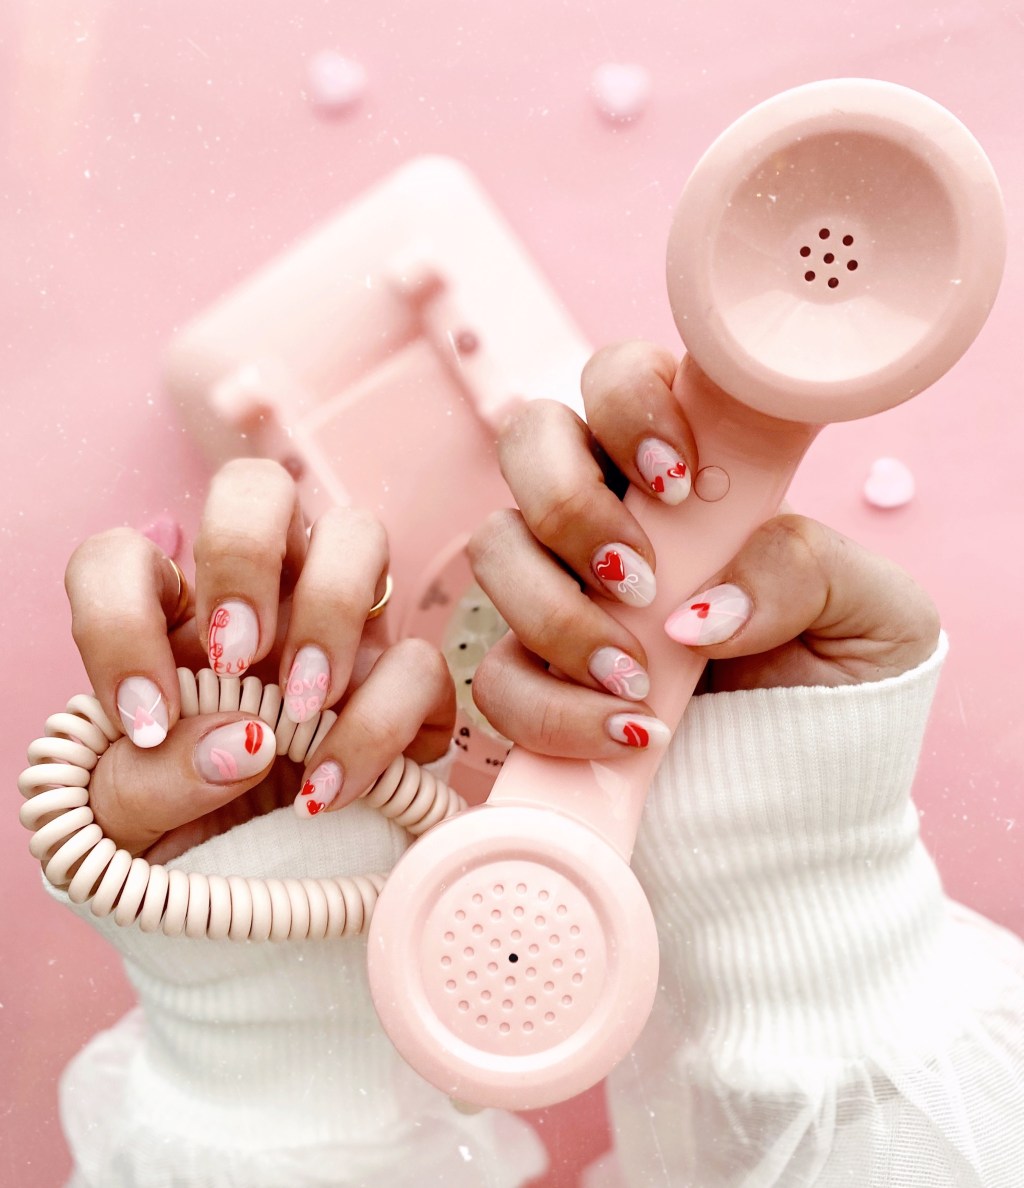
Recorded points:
827,1017
263,1065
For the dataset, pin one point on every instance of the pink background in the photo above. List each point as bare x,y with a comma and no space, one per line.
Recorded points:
153,154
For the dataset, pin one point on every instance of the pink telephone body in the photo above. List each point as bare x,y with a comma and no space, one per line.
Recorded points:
377,361
834,253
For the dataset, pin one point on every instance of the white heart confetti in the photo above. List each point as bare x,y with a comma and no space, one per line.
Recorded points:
336,83
620,90
889,483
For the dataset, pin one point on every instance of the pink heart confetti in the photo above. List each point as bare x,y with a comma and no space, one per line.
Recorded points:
620,90
889,484
336,83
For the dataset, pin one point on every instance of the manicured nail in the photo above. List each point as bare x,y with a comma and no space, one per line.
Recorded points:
635,730
234,637
320,790
307,684
624,574
666,473
235,752
620,674
711,617
142,711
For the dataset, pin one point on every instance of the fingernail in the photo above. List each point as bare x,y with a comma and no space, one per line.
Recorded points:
638,731
624,574
666,473
619,673
711,617
235,752
307,684
234,637
320,790
143,711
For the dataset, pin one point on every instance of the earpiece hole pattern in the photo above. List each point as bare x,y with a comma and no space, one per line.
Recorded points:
828,258
77,856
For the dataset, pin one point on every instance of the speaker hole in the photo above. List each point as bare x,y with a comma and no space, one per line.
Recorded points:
463,1005
485,995
829,258
505,1028
513,957
852,265
481,1020
549,1017
824,233
808,276
492,967
805,251
833,282
847,240
527,1026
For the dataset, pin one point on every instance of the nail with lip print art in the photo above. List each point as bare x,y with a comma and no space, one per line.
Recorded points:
236,751
638,730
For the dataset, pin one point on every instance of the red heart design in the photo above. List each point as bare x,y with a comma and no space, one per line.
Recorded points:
611,568
314,806
253,737
308,788
658,484
636,735
701,608
677,471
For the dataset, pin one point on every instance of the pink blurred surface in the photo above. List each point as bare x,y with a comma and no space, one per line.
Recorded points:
153,155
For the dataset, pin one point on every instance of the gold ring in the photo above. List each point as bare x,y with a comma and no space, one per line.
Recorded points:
381,603
180,612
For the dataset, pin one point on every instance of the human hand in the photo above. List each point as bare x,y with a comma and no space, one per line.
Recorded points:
798,605
268,600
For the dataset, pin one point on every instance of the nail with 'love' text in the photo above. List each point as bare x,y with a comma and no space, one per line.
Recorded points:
711,617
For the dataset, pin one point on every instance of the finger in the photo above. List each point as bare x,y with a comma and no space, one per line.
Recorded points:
122,589
251,535
631,410
547,456
813,607
139,796
549,716
344,568
406,703
550,614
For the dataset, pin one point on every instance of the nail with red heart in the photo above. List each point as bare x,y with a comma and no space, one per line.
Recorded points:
624,574
319,790
711,617
664,471
638,730
235,752
143,711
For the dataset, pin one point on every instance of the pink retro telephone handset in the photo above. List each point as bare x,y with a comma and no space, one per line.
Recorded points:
834,253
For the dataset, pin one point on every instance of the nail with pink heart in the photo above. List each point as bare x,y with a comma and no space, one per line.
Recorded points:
711,617
624,574
143,711
664,471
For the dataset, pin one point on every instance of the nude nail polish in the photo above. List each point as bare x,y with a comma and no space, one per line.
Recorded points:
624,574
307,684
143,711
637,730
664,471
237,751
320,790
233,639
619,673
711,617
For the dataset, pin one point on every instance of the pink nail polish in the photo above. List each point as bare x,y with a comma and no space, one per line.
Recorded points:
624,574
619,673
237,751
143,711
711,617
320,789
664,470
234,637
307,684
636,730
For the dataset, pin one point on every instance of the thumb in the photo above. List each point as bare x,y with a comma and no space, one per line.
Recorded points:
801,604
204,763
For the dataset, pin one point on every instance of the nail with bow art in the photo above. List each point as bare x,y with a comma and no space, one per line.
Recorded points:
711,617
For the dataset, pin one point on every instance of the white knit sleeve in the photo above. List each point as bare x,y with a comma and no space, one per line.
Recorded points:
826,1016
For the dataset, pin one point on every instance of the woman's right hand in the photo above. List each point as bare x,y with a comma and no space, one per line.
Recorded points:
292,606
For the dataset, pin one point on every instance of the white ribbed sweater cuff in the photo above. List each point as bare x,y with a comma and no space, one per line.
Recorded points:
796,905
